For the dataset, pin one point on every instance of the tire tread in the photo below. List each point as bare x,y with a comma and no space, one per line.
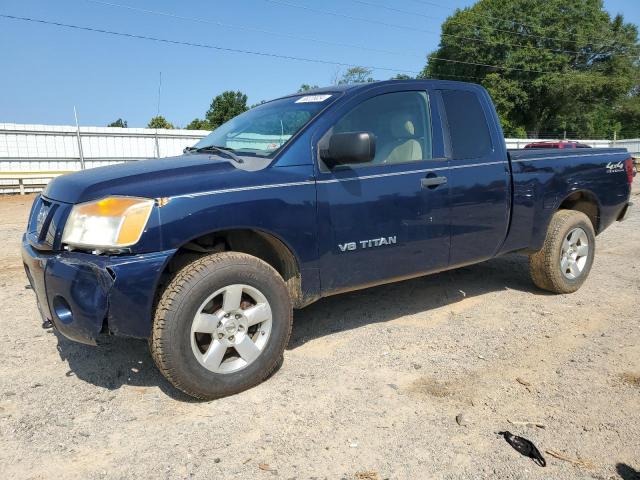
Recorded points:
543,266
169,300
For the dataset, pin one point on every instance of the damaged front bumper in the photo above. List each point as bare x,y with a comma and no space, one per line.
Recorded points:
85,295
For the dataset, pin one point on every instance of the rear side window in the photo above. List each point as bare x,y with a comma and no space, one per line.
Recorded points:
468,129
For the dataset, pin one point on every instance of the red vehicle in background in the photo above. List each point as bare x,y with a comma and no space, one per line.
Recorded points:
558,144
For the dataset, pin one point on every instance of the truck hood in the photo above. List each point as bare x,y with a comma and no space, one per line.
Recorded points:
153,178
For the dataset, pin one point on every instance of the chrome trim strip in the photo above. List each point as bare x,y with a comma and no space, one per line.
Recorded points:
423,170
477,164
381,175
333,180
567,156
243,189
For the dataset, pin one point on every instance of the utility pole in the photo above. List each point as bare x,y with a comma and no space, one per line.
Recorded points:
75,114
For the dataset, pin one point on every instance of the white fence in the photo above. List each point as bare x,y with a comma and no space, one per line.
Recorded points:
633,145
521,142
30,155
48,150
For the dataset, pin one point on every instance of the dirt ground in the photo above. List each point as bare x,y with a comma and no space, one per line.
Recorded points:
370,388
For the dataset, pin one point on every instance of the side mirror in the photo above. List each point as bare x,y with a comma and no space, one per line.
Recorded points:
349,147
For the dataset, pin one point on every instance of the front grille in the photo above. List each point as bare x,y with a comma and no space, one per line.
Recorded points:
46,223
43,218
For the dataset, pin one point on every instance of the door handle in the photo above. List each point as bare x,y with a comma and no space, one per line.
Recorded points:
432,181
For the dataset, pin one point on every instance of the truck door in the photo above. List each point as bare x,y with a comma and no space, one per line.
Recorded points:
479,177
386,219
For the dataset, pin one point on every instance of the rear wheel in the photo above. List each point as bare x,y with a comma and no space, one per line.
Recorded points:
564,262
221,325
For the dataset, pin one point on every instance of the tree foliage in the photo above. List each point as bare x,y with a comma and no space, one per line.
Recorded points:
199,124
401,76
226,106
565,66
628,115
120,123
356,75
305,87
159,122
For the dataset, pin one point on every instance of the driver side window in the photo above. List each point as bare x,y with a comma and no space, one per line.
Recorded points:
400,122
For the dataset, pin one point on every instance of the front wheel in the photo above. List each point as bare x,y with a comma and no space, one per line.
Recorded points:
564,261
221,325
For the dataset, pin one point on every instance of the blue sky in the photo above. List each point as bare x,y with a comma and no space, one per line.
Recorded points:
47,70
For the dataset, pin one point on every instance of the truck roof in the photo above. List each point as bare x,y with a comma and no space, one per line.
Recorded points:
359,86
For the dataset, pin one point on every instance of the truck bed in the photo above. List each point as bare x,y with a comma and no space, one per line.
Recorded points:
545,178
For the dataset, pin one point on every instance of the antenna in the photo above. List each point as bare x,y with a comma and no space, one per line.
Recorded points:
79,139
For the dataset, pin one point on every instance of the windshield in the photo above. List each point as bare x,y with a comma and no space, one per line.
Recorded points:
266,128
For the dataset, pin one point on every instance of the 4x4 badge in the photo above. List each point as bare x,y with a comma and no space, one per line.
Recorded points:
614,167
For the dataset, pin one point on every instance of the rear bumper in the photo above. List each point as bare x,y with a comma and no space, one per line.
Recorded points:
82,293
625,211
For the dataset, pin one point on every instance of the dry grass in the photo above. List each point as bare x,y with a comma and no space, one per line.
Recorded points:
368,475
632,379
432,387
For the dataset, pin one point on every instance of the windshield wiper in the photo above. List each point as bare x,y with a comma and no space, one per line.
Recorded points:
216,148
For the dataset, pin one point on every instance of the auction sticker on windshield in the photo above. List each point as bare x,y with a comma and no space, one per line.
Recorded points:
312,98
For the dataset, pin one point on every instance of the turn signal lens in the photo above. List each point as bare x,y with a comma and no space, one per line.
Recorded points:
112,222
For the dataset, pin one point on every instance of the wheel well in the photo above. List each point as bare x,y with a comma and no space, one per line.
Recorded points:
586,203
262,245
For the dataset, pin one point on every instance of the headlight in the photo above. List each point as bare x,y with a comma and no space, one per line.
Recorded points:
112,222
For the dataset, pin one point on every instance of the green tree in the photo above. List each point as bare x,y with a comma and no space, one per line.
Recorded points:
199,124
226,106
559,70
159,122
627,115
305,87
118,123
401,76
356,75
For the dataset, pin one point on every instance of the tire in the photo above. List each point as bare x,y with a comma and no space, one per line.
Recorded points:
189,306
549,268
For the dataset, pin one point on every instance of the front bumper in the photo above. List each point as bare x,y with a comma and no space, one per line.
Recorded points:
85,295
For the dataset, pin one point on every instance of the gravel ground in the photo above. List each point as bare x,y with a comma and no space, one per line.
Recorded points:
371,386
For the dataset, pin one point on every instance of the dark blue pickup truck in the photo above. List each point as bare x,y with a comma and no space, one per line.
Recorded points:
207,254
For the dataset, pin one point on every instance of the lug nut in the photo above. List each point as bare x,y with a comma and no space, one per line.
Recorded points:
238,316
220,335
231,338
227,315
